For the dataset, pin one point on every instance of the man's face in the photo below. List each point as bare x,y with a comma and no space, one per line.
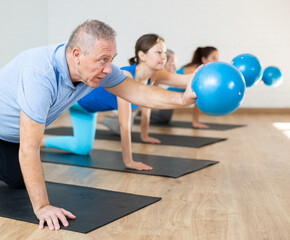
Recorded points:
94,66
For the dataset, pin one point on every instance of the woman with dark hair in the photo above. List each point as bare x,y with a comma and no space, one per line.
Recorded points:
150,57
202,55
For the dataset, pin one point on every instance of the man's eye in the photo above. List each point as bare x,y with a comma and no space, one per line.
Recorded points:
104,60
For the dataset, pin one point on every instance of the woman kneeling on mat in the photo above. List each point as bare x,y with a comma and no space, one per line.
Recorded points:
150,57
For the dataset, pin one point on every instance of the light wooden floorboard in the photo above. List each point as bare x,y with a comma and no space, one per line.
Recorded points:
244,197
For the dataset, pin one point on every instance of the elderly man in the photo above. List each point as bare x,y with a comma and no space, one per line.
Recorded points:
40,84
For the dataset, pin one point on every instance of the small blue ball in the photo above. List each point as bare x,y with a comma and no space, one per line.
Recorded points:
250,67
219,88
272,76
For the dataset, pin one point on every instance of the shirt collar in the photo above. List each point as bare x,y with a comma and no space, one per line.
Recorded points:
61,64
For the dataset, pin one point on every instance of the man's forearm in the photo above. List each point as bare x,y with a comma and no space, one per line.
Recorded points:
33,178
159,98
151,96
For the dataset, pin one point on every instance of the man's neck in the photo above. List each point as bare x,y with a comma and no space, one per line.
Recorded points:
72,70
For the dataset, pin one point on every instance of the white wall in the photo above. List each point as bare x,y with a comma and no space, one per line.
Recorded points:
259,27
23,26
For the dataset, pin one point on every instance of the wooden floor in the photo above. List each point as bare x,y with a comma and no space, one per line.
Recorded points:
246,196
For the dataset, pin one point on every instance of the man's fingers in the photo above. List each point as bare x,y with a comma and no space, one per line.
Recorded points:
55,222
49,223
53,216
41,224
68,214
63,219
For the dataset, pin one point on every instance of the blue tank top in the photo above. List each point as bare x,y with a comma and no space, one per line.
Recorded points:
179,71
100,100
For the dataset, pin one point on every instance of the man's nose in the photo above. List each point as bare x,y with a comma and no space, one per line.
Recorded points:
107,68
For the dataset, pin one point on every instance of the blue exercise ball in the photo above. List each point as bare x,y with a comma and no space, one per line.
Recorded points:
250,67
272,76
219,87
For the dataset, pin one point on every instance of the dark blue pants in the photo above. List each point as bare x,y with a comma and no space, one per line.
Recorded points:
10,171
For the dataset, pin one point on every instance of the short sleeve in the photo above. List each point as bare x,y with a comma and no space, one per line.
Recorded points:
116,77
34,95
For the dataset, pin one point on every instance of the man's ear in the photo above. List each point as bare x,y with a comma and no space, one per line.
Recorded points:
76,53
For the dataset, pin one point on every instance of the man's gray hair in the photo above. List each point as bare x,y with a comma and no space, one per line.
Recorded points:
86,34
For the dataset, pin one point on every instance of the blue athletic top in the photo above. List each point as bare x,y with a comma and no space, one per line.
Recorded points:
38,83
179,71
100,100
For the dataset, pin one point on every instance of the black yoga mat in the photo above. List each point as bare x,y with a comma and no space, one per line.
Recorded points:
93,208
112,160
181,124
166,139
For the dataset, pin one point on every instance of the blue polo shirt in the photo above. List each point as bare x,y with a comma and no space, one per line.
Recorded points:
38,82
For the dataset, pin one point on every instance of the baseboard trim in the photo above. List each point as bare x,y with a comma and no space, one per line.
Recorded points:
264,110
250,110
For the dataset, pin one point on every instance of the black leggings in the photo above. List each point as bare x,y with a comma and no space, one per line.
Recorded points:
161,116
10,171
